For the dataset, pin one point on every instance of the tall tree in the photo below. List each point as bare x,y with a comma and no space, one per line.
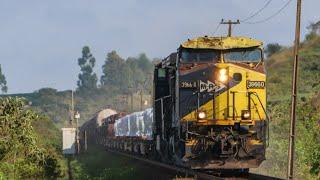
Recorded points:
113,70
3,82
127,75
144,63
87,78
139,74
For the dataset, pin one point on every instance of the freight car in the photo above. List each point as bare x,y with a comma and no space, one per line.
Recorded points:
127,132
91,127
209,108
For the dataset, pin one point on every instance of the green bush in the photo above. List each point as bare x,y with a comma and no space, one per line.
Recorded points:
22,156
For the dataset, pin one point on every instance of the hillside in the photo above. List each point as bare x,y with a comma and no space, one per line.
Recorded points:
279,69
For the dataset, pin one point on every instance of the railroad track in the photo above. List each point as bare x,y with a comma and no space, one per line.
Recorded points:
195,174
262,177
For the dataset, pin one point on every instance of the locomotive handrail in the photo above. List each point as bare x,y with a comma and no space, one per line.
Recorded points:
164,97
255,105
267,116
162,113
234,109
264,110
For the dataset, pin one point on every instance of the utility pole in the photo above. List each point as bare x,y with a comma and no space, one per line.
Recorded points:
131,106
85,141
230,23
72,109
130,93
141,99
294,93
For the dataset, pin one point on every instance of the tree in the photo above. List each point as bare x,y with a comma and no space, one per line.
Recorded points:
3,82
21,155
314,27
47,91
144,63
272,48
113,70
87,78
139,74
314,31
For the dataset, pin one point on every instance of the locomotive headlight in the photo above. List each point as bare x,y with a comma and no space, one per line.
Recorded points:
223,75
201,115
245,114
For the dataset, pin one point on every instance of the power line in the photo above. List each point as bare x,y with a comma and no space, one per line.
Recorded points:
216,29
272,16
233,27
257,12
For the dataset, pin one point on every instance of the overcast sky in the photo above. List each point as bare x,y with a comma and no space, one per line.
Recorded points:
40,40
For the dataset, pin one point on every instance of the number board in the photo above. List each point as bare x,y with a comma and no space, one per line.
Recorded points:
188,84
256,84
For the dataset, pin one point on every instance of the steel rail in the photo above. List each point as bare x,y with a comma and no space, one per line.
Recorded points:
262,177
196,174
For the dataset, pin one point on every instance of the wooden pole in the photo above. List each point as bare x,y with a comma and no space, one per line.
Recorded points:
131,101
72,109
141,99
85,141
294,93
230,23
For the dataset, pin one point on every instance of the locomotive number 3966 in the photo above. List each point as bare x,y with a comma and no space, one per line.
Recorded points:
188,84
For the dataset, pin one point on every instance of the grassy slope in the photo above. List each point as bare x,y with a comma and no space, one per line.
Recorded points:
279,68
99,164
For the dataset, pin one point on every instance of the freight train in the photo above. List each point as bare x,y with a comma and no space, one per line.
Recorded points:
209,108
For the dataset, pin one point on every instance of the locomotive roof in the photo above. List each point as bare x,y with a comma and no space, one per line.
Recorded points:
221,43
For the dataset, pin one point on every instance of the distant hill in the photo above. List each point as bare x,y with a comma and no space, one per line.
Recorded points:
56,105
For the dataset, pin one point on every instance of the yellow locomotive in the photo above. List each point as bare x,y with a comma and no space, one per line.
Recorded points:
210,104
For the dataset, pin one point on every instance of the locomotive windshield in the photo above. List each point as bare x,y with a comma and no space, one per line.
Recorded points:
243,55
199,55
